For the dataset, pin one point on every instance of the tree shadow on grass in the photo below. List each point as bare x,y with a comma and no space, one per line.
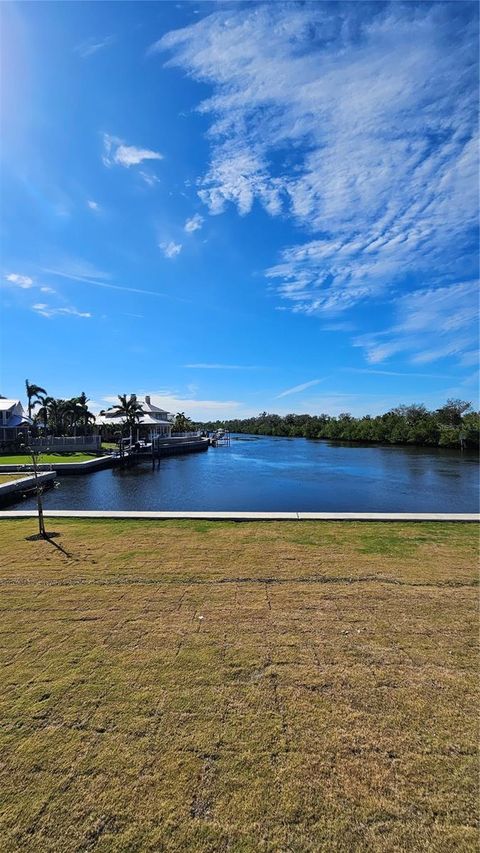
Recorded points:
49,537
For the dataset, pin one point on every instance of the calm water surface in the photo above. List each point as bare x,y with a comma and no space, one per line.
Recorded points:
281,474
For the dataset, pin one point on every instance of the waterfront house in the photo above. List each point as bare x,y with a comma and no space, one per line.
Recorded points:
154,422
13,420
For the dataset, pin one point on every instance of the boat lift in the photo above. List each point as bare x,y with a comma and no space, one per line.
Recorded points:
220,438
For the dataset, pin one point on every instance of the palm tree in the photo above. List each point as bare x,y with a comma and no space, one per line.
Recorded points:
53,413
85,413
76,410
44,411
182,423
71,413
56,410
33,391
129,408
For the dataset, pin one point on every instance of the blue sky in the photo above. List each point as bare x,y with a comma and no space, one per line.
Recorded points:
238,207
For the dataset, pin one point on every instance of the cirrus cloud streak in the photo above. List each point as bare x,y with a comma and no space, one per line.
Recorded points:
356,121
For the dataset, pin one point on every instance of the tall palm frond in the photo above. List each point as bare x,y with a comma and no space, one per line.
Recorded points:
129,407
33,391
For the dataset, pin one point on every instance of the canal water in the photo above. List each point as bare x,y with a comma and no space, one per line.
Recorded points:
281,474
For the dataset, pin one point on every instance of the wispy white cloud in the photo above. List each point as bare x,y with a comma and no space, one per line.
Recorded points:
50,311
171,249
115,152
358,121
203,366
370,371
342,326
149,178
298,388
97,279
193,224
470,359
25,282
472,379
93,45
197,409
93,205
431,324
47,290
356,404
71,266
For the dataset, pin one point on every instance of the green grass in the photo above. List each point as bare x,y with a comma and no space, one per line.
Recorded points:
391,543
204,687
47,458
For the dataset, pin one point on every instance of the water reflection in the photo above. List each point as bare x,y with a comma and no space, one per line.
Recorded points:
280,474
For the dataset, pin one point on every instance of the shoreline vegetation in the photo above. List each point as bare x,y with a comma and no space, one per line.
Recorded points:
453,425
206,686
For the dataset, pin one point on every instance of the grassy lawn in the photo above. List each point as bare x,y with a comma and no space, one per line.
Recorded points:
9,478
207,686
47,458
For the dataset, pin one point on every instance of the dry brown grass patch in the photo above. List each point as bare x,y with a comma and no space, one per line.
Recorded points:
216,686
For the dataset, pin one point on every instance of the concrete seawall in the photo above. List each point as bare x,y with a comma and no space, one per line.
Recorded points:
62,467
168,447
11,492
174,446
462,517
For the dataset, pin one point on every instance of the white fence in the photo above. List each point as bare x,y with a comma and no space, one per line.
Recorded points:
68,443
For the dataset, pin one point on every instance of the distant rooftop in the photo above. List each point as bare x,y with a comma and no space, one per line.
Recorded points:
147,406
146,419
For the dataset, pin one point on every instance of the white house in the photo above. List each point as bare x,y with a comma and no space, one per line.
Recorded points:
12,418
155,422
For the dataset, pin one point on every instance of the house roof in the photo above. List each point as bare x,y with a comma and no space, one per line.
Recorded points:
16,416
149,407
145,420
18,420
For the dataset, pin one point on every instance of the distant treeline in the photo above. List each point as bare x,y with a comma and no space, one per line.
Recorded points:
453,425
